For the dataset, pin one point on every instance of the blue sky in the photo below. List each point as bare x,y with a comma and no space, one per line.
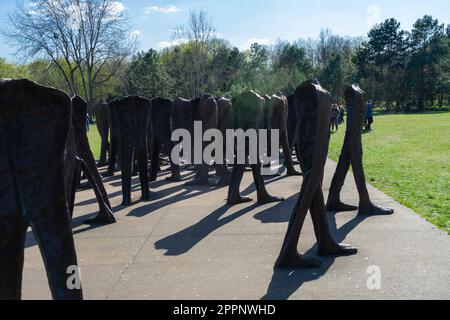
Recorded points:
246,21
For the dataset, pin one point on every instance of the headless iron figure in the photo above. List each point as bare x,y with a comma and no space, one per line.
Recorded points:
34,126
133,114
248,113
352,154
313,106
278,120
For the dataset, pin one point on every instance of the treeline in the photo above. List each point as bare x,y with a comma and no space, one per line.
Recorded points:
400,70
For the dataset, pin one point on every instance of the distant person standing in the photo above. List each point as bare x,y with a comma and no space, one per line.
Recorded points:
335,118
341,114
369,115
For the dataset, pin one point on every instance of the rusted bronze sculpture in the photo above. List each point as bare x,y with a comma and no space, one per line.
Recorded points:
248,114
34,126
85,162
352,154
313,107
133,115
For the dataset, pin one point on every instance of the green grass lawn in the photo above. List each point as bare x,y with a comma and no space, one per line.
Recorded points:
94,141
407,156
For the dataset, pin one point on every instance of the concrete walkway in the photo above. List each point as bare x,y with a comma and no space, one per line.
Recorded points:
186,244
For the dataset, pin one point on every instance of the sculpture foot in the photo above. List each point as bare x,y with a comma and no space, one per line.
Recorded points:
374,210
174,178
127,202
337,250
265,199
338,206
101,220
297,261
238,200
198,182
293,173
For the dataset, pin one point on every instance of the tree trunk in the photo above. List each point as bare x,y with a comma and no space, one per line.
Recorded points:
421,102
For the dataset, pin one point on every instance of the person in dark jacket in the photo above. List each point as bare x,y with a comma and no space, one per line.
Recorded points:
369,115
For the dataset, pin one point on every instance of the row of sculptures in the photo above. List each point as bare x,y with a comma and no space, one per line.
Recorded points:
44,147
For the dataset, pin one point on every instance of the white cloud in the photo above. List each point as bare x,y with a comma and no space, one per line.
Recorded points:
166,44
262,41
166,9
374,13
117,7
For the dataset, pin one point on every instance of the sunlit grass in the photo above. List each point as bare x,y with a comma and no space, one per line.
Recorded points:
94,141
407,156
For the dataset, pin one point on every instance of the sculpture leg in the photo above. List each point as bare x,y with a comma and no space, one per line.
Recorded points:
95,180
327,245
289,256
113,151
334,202
105,215
176,175
142,163
288,156
155,151
127,169
234,196
366,207
104,148
72,195
54,236
12,240
201,176
91,172
296,144
297,151
224,175
263,196
222,169
268,151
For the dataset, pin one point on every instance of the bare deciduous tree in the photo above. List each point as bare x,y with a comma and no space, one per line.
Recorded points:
198,34
199,29
86,38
